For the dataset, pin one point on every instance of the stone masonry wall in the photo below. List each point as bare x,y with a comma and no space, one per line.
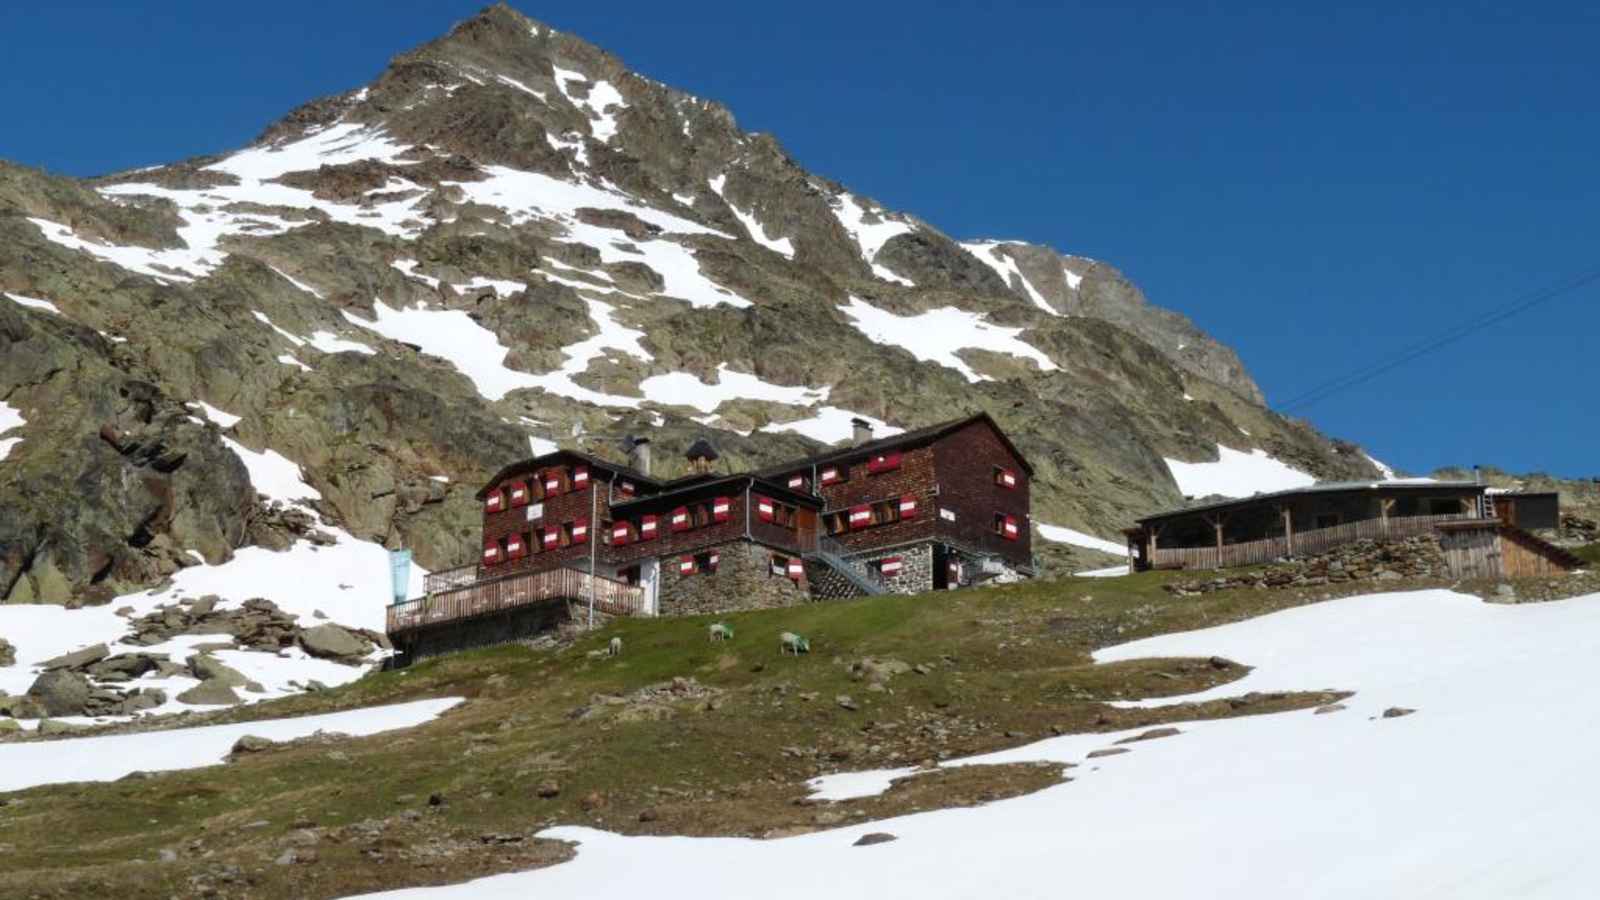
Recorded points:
916,570
743,580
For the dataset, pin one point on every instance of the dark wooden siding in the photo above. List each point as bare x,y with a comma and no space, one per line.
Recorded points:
964,463
914,477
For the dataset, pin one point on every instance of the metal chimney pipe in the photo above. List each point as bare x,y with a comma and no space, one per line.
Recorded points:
639,455
861,431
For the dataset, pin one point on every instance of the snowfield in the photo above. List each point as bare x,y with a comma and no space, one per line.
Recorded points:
109,757
1236,474
10,418
1486,791
989,253
1062,535
938,335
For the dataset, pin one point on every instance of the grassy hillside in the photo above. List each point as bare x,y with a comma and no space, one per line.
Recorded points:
565,737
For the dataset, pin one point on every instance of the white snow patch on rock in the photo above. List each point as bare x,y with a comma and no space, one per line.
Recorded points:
993,255
684,389
602,102
870,236
224,420
1236,474
35,303
831,424
939,334
10,420
1063,535
758,233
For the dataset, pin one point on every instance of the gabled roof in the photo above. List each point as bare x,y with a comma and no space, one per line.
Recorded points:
1321,487
525,466
915,437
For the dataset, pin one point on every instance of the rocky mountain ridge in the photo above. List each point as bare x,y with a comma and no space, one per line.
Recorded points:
507,242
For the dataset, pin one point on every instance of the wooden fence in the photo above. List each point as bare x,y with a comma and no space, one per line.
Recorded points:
1303,543
481,598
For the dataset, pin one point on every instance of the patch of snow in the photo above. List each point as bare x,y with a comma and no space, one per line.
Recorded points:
758,233
939,334
540,446
272,474
1073,278
852,785
289,360
602,102
207,219
1188,398
1062,535
830,425
992,254
10,419
224,420
684,389
1384,472
36,303
109,757
512,82
298,284
328,342
1373,807
1110,572
1236,474
870,236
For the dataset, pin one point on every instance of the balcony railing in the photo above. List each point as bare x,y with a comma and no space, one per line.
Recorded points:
1303,543
459,600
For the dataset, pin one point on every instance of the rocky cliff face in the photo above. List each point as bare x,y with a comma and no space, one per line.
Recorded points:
508,241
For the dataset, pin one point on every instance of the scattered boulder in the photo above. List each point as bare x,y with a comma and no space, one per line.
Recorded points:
77,659
9,726
1330,708
845,701
61,692
206,667
8,653
251,743
51,726
1395,712
876,837
204,605
1109,751
209,693
548,790
1151,735
335,643
124,666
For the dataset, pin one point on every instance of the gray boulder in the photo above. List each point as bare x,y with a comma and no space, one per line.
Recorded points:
335,643
206,667
209,693
251,743
139,701
8,653
78,659
61,692
51,726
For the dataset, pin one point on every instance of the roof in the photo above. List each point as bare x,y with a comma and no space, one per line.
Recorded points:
702,449
684,487
1321,487
538,462
904,439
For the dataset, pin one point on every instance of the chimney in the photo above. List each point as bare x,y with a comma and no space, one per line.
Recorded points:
1477,475
861,431
639,455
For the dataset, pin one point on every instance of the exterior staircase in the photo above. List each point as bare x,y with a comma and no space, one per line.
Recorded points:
831,554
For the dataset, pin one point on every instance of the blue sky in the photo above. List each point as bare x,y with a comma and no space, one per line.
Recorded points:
1317,187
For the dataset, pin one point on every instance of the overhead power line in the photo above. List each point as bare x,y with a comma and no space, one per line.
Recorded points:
1439,341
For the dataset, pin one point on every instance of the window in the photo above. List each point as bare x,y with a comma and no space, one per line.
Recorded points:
890,566
687,565
834,474
519,494
790,567
550,538
721,509
648,527
580,478
625,488
1444,506
779,567
860,516
785,516
495,501
631,575
883,462
606,531
621,533
1006,478
1007,527
491,553
798,482
679,519
553,482
516,546
837,522
907,506
706,563
578,531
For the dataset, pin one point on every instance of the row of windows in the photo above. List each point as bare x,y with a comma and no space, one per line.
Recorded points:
868,515
549,537
884,462
699,515
551,482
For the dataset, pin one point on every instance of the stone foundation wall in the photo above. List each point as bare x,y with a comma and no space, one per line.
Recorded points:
743,580
516,624
1416,557
916,571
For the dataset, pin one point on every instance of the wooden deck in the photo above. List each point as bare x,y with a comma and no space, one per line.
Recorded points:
1302,543
453,596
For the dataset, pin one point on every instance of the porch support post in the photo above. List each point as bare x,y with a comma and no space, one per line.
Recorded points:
1288,528
1384,505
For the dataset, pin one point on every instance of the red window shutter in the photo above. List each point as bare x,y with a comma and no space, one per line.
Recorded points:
686,565
552,537
495,501
1011,529
891,565
580,478
797,569
619,533
491,553
831,475
908,506
679,520
647,528
712,560
625,488
860,516
765,508
797,482
884,462
552,483
580,531
516,547
1007,478
518,494
721,509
